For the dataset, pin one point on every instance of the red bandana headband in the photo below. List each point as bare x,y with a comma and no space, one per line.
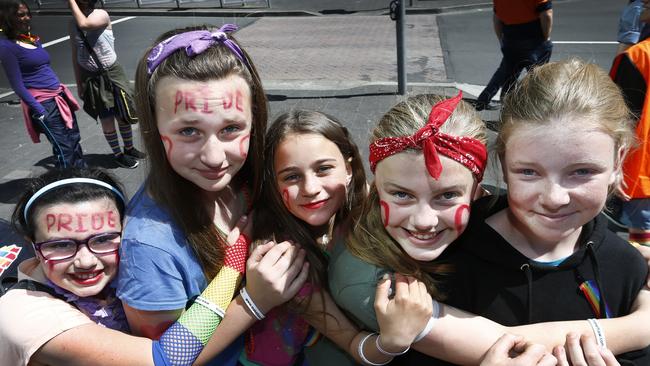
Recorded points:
467,151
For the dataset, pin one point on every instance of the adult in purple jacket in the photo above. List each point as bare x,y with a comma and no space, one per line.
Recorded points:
48,106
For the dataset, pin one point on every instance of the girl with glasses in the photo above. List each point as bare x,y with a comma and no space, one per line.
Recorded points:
64,310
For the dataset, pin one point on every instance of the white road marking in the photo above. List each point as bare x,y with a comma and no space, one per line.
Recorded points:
585,42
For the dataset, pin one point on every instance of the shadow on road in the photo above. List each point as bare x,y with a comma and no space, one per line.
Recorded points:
104,161
11,190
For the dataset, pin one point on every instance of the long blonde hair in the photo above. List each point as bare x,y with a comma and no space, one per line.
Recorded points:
369,239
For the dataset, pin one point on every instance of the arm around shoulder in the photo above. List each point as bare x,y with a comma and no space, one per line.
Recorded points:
95,344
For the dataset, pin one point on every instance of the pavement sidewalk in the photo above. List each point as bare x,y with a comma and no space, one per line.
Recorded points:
281,8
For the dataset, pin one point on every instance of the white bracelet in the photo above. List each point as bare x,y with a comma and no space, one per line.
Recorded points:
363,357
598,333
210,306
383,351
427,328
257,313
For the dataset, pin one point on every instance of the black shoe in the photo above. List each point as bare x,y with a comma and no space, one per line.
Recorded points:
126,161
135,153
479,106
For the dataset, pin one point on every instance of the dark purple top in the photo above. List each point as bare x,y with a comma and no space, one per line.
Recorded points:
27,68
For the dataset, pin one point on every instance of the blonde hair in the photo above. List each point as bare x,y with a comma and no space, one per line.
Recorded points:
573,88
369,240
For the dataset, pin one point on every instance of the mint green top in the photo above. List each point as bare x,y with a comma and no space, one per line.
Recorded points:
352,285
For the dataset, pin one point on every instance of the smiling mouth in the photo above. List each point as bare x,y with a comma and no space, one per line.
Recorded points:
315,205
88,278
213,174
555,217
427,238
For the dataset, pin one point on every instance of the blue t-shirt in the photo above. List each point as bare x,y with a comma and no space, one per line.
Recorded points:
158,269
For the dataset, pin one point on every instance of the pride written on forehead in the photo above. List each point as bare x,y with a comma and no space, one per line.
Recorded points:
204,100
81,222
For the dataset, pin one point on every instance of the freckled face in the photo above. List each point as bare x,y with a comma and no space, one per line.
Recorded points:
311,175
558,178
422,214
205,128
85,274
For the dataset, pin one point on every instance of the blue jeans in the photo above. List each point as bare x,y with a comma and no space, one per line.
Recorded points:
517,56
65,141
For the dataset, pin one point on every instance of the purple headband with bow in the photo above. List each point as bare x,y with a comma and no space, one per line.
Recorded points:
194,42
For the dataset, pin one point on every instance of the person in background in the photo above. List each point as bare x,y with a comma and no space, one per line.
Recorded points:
631,73
523,28
629,25
48,106
95,83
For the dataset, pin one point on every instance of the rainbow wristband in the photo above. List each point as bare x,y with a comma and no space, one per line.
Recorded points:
182,343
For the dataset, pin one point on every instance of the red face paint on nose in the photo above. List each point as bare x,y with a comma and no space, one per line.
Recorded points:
384,205
458,218
168,145
243,149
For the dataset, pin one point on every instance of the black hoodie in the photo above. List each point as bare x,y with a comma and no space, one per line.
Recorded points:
494,280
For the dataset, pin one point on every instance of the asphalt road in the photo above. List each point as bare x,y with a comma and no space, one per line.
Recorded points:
579,27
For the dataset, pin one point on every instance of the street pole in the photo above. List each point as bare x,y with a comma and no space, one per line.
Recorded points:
398,13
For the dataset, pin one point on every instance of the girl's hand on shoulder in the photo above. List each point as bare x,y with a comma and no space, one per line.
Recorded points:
583,351
275,273
402,317
511,350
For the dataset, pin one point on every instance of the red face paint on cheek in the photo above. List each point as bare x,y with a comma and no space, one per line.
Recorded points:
386,209
167,144
285,198
50,266
243,146
458,218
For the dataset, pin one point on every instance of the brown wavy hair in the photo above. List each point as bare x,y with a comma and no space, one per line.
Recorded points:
273,219
369,240
179,196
